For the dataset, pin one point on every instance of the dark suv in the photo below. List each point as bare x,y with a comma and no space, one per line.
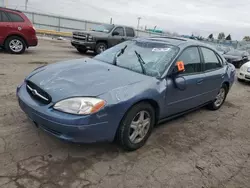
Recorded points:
101,37
16,31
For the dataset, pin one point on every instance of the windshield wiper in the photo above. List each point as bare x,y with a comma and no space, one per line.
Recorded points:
141,61
120,52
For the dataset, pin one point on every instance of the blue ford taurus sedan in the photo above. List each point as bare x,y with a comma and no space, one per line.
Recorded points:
123,92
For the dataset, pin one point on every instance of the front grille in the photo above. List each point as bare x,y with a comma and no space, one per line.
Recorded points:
37,93
79,36
51,130
247,77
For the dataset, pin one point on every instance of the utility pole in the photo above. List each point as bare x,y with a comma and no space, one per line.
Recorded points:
26,4
138,24
111,20
6,2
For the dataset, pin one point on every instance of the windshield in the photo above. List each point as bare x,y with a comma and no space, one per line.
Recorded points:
156,55
103,28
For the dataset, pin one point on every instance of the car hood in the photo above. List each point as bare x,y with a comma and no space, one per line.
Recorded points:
82,77
92,33
232,57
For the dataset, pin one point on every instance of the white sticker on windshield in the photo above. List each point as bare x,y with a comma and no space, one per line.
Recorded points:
160,49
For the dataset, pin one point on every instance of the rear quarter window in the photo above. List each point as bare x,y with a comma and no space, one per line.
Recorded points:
3,17
15,17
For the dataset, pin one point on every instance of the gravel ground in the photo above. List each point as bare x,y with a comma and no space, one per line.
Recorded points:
201,149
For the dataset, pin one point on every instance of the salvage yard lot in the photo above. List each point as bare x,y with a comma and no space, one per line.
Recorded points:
202,149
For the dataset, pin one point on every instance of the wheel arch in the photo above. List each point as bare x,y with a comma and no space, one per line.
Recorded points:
152,102
227,84
102,41
17,35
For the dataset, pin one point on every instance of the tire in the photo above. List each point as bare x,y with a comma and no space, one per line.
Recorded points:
214,105
11,41
125,131
238,64
82,50
240,80
100,47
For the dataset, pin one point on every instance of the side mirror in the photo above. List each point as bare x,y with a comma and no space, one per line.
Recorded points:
180,83
115,33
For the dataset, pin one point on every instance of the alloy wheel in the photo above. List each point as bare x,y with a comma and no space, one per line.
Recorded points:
220,97
16,45
139,127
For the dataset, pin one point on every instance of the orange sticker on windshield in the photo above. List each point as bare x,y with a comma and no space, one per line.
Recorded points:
180,66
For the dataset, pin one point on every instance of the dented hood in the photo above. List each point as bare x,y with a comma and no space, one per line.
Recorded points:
82,77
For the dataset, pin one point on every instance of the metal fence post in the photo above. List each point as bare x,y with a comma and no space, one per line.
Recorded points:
85,25
59,23
33,15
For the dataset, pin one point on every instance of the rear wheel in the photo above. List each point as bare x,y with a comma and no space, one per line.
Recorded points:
82,50
136,126
15,45
220,98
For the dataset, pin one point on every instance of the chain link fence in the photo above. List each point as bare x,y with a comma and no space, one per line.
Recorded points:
65,24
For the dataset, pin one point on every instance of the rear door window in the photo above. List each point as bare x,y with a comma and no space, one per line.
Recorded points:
211,59
15,17
130,32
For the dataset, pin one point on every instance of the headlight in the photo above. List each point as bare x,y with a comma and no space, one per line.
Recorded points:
80,105
90,38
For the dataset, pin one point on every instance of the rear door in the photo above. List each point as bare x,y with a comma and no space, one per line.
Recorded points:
130,33
116,39
19,24
5,26
215,72
181,100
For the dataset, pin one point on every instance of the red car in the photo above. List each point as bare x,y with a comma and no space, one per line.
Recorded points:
16,31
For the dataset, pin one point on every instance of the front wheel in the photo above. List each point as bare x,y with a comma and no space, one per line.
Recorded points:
100,47
220,98
82,50
240,80
239,64
136,126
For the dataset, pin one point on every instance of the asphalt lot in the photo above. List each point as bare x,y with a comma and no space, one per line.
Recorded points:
201,149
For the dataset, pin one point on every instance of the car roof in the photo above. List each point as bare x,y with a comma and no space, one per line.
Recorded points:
8,9
177,41
116,25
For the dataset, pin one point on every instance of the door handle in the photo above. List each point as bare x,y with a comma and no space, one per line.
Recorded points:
200,81
123,38
222,75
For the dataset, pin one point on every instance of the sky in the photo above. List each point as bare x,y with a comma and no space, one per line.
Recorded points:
201,17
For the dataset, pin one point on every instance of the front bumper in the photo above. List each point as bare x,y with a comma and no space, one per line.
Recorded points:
83,44
244,75
73,128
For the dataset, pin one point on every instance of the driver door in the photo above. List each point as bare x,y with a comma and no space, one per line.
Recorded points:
120,37
178,100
